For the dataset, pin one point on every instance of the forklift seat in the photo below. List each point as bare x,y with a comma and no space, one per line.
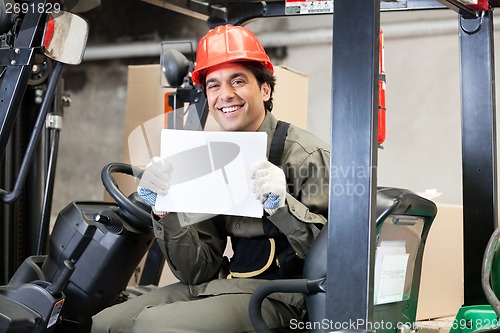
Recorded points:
402,224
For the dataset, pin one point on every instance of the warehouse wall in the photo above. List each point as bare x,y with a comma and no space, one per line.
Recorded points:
422,150
423,146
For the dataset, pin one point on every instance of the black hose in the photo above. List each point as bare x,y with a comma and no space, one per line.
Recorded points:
486,271
48,193
53,134
11,197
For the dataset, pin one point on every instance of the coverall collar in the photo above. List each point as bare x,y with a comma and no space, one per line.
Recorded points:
268,126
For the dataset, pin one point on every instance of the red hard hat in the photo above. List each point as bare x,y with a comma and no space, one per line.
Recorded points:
228,43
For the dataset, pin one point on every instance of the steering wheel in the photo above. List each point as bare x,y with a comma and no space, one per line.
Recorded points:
138,217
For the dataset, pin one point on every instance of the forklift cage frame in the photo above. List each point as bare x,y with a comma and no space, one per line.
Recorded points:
356,27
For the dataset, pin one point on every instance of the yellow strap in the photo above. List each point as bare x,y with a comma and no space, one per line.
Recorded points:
259,271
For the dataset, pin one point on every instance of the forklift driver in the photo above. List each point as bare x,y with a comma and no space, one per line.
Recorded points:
213,294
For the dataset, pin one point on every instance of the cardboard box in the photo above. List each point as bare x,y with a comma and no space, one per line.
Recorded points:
441,285
145,118
145,102
290,96
436,325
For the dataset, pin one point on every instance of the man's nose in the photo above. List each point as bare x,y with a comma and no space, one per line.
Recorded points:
226,92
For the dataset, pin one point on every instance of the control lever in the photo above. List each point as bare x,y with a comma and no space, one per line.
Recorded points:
62,279
110,220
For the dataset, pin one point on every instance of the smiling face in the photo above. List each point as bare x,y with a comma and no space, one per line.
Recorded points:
235,98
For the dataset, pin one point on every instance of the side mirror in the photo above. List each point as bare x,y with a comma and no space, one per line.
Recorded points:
65,37
175,67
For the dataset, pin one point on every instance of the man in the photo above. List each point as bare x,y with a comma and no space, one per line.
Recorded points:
213,294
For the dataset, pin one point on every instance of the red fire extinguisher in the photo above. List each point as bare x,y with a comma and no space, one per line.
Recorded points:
381,90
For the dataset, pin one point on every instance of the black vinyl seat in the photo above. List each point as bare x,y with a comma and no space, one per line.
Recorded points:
403,223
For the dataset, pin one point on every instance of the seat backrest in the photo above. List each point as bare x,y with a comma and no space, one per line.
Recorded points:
403,222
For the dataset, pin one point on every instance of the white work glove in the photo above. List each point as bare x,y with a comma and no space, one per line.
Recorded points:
155,180
269,186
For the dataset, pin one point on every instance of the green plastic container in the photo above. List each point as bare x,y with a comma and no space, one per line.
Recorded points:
474,318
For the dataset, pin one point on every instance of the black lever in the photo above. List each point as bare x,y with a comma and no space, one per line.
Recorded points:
63,278
110,220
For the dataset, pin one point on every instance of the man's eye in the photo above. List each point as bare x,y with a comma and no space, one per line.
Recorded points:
237,82
212,86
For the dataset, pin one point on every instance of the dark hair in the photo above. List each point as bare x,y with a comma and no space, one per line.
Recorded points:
262,75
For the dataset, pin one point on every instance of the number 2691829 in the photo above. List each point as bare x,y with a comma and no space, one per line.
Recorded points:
25,8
